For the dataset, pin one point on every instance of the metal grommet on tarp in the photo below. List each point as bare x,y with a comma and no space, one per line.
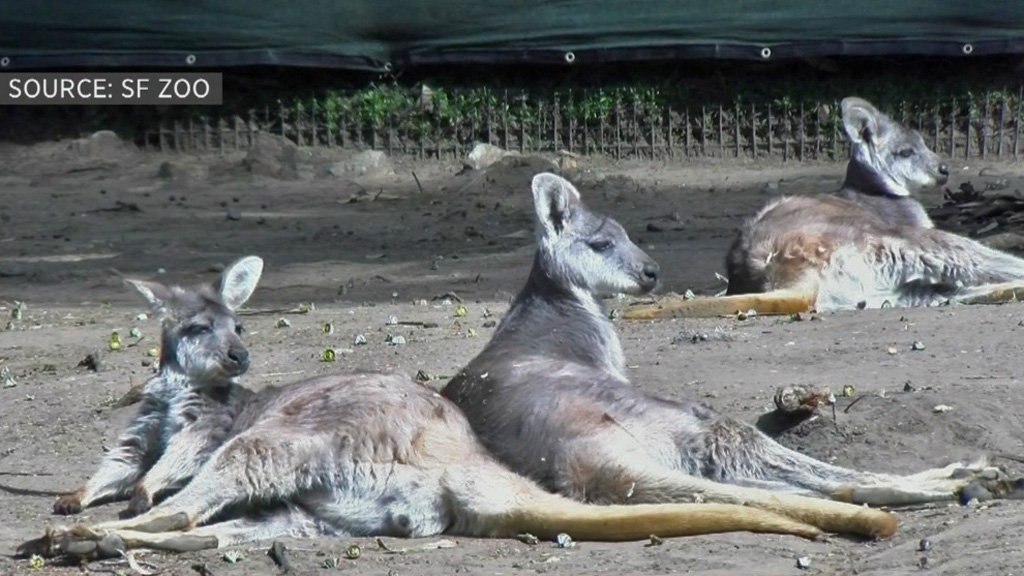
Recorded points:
967,49
388,67
570,57
190,59
766,52
5,62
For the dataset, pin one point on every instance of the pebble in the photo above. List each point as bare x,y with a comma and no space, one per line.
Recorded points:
803,562
359,340
917,345
396,340
924,545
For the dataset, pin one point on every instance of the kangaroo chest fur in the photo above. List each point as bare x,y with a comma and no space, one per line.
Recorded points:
553,375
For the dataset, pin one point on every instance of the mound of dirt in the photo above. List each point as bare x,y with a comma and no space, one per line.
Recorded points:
273,156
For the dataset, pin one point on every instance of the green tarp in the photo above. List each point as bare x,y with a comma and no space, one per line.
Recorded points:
370,34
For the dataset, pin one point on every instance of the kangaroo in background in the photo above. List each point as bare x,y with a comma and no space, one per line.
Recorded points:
867,246
352,455
549,396
188,407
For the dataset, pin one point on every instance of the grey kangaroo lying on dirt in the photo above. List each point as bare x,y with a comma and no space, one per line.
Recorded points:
870,245
353,455
549,396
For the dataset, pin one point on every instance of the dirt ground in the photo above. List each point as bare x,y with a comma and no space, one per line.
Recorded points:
69,214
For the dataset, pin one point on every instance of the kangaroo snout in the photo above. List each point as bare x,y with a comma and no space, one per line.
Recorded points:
239,357
649,275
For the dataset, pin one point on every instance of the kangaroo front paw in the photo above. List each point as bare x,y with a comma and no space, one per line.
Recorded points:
140,503
68,504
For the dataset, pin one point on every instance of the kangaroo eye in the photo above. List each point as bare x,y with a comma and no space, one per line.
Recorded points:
600,245
239,329
197,329
906,152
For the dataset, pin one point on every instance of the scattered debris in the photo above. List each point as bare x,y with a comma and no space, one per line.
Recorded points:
924,545
359,340
849,391
655,541
484,155
276,553
438,545
202,569
396,339
449,296
284,323
942,409
460,311
366,163
328,355
233,213
6,378
892,350
528,539
917,345
92,362
135,333
328,328
803,562
422,376
36,562
18,311
802,399
563,540
353,552
114,342
233,556
119,206
392,320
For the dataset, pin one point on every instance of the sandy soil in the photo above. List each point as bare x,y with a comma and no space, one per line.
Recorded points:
360,262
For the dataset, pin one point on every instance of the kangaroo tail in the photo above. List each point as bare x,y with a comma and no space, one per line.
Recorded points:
546,515
779,302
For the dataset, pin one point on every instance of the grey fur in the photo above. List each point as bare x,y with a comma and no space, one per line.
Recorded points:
549,396
188,408
872,242
350,455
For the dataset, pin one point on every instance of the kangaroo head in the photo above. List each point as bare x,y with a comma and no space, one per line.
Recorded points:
201,333
582,250
888,157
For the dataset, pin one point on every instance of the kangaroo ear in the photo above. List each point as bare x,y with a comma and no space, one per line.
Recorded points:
239,280
158,295
554,199
861,120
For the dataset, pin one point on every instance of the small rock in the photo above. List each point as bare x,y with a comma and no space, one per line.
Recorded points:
102,144
392,320
396,340
142,317
284,323
942,409
892,350
803,562
908,387
367,163
563,540
917,345
233,213
484,155
359,340
652,227
924,545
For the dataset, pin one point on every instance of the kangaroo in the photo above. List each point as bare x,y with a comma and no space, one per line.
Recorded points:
355,455
550,398
870,245
181,419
